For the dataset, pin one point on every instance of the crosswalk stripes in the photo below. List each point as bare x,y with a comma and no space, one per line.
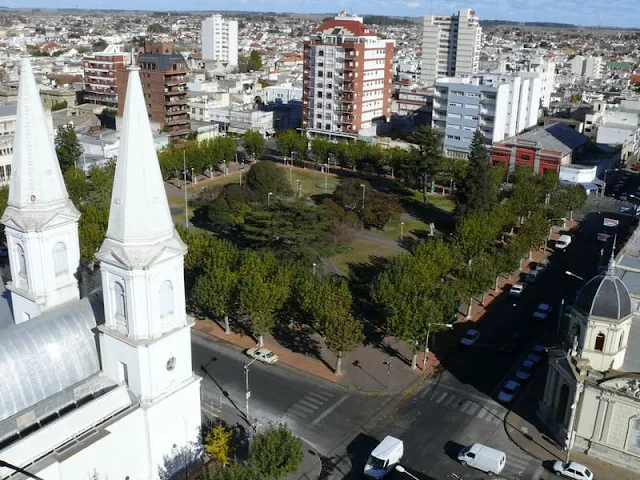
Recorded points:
517,462
309,405
488,411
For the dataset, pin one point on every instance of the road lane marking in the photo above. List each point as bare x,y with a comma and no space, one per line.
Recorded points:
449,400
313,401
297,406
481,413
442,397
324,396
328,411
473,408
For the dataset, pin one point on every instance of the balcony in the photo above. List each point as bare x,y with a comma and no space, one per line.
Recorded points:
488,112
174,90
178,120
175,100
176,110
175,79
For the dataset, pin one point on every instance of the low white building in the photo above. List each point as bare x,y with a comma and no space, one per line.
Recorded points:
616,125
282,93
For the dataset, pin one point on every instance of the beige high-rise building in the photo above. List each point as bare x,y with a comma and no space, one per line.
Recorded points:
450,46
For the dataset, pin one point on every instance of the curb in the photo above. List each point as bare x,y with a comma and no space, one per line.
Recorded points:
415,384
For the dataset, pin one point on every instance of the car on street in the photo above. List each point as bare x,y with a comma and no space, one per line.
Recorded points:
542,265
526,370
626,208
542,312
470,338
263,355
537,353
573,470
563,242
532,276
517,289
509,391
623,197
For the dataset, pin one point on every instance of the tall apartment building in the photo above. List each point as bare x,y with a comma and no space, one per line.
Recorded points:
499,107
220,40
450,46
164,83
589,67
101,72
538,67
347,79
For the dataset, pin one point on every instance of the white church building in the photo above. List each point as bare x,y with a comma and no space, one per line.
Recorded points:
97,387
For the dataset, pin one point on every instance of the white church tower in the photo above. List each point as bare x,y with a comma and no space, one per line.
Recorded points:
41,222
146,339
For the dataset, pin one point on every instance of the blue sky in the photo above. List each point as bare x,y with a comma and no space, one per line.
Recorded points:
619,13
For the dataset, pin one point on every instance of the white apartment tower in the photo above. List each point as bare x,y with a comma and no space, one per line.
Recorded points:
450,46
220,40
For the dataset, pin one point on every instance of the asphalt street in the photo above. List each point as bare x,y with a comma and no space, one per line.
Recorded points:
437,419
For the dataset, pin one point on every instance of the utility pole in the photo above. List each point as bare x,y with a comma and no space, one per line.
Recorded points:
186,201
247,394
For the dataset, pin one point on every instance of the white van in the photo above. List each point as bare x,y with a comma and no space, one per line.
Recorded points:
483,458
384,457
563,242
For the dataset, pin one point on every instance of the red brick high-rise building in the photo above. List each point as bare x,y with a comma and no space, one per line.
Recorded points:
101,71
163,74
348,74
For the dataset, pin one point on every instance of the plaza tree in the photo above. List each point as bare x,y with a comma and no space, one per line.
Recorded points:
478,190
254,144
263,287
218,446
68,148
415,294
234,470
342,335
321,148
290,142
380,209
429,143
265,177
349,193
275,452
255,61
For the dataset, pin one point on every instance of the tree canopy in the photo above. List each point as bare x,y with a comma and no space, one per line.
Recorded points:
478,191
68,148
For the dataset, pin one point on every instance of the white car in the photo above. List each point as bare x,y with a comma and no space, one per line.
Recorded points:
470,337
517,289
509,391
526,370
263,355
572,470
542,312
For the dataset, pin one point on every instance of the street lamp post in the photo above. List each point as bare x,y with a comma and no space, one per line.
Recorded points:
570,432
269,198
401,230
571,274
326,175
426,342
299,185
401,469
193,177
388,364
362,185
247,394
314,269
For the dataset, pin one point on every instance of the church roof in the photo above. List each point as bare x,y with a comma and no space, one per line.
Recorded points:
49,353
605,296
140,223
37,191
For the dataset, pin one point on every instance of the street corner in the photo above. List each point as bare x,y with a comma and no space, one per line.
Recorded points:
311,466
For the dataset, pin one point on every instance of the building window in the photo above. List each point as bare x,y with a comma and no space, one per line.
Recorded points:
525,157
22,265
120,298
60,261
599,346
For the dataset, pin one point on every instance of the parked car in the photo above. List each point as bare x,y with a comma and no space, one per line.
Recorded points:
542,312
509,391
623,197
263,355
517,289
563,242
626,208
483,458
470,338
572,470
532,276
384,457
537,353
526,370
542,265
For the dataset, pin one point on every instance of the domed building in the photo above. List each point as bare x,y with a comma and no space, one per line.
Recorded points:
592,396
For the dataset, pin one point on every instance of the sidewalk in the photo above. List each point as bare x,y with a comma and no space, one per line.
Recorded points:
363,369
311,465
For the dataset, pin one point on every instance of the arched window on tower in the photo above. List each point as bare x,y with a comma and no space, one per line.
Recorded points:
599,342
60,260
120,298
22,266
166,303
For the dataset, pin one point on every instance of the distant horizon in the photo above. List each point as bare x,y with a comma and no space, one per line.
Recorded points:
585,14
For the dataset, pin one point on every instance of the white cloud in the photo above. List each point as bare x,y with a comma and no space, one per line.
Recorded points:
413,4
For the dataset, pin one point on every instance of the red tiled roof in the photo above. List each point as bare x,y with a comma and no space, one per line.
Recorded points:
356,28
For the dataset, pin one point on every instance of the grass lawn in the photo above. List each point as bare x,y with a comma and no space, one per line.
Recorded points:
443,202
392,229
362,252
312,180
